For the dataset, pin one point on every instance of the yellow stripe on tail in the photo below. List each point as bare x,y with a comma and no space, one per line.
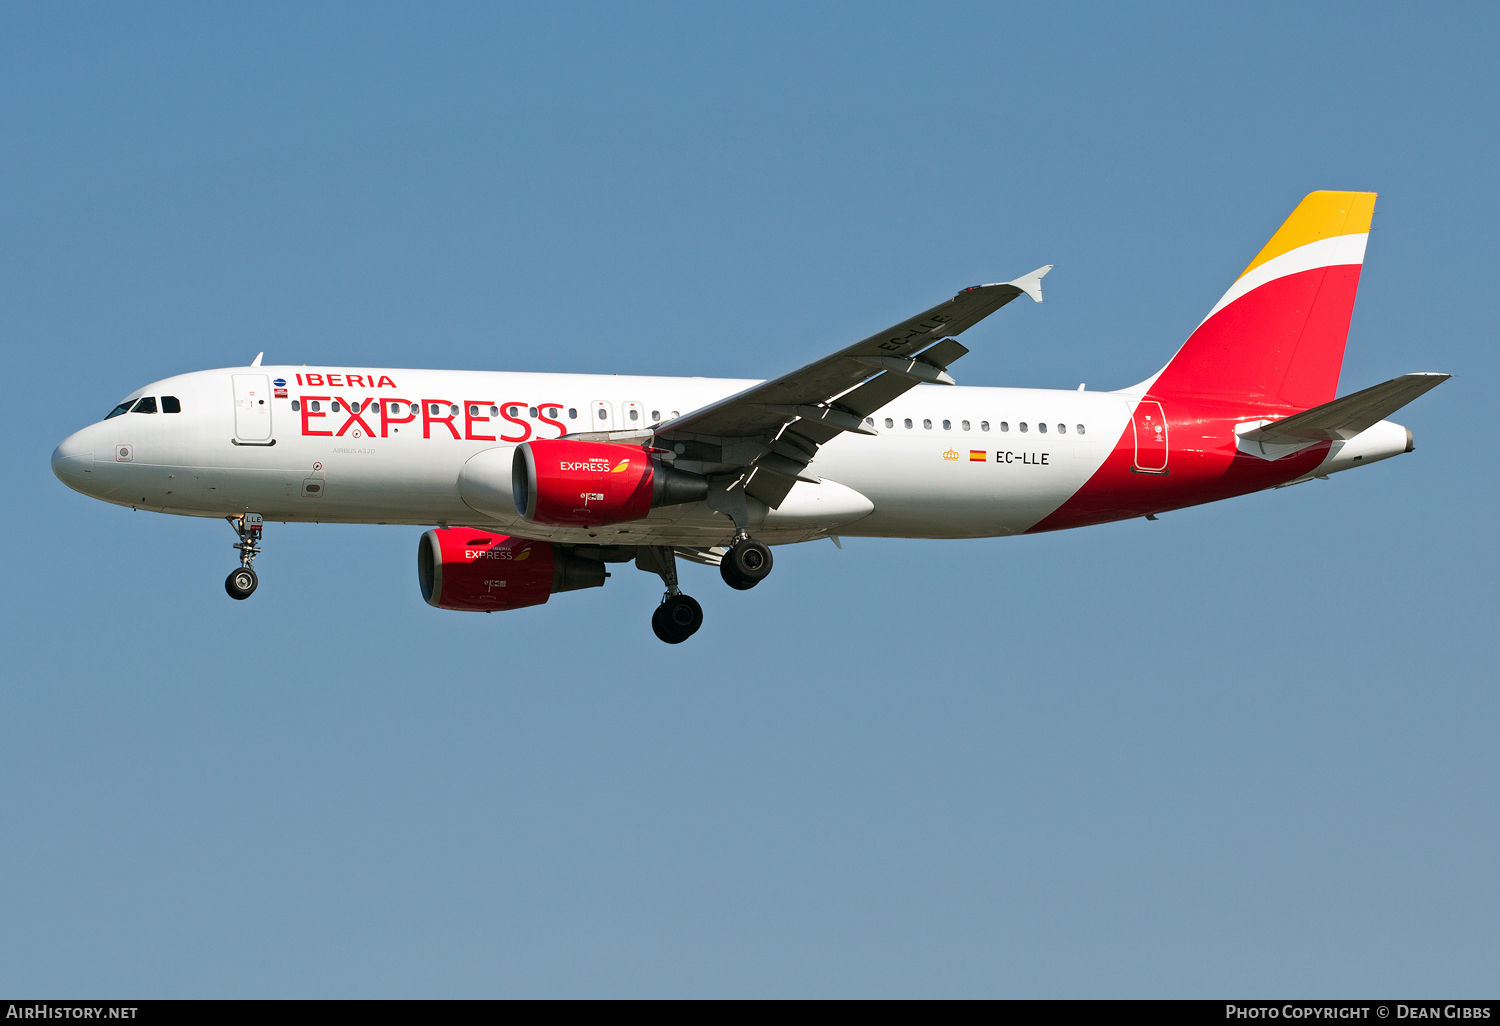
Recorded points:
1321,215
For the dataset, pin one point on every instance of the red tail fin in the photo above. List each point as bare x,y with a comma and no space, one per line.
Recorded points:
1277,337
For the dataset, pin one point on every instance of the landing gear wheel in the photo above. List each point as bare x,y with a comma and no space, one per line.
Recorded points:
746,564
677,619
241,583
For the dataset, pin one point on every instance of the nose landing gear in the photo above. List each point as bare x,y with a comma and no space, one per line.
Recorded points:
241,582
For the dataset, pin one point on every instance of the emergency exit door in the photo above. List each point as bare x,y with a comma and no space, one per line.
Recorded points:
252,407
603,418
1150,438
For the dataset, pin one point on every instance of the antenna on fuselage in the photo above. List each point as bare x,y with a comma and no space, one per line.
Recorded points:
256,362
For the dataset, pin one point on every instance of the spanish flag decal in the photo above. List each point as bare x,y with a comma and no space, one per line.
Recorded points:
977,455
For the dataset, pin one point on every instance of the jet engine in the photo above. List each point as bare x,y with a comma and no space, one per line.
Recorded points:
590,484
469,569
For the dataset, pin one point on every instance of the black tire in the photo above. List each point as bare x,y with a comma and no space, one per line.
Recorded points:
664,631
726,571
746,564
677,619
241,583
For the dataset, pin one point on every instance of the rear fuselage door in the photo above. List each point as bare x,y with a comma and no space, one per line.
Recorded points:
252,407
1150,437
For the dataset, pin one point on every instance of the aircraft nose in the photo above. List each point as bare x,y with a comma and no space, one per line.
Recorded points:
73,461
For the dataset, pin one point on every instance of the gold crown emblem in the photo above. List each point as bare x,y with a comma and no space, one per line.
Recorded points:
951,454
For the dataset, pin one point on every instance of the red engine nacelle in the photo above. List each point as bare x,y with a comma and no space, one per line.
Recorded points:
590,484
466,568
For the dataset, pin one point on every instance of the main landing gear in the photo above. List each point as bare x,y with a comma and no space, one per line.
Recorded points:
241,583
679,616
746,564
748,561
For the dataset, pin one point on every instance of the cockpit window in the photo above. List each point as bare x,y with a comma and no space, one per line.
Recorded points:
169,404
122,408
146,405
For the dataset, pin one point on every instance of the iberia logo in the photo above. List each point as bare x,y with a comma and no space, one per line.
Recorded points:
624,465
951,454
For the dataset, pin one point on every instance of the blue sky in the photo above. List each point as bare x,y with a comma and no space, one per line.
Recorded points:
1248,749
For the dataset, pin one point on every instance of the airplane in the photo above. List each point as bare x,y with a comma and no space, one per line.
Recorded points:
538,482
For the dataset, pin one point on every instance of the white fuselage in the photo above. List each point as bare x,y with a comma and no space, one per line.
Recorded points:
964,468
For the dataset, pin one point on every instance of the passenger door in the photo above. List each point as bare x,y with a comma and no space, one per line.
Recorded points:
252,408
1150,438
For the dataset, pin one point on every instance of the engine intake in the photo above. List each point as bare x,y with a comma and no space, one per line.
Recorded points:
480,571
590,484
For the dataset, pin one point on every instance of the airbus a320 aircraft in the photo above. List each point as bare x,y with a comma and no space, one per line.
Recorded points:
537,482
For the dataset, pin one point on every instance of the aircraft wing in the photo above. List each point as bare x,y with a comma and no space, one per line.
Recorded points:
770,432
1344,418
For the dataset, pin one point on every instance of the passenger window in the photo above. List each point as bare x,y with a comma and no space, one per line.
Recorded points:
966,425
436,409
296,405
415,409
1022,426
984,425
473,410
908,423
1079,428
354,407
870,421
927,424
452,410
494,411
634,414
122,408
888,422
1005,425
656,415
1062,429
674,414
314,406
532,411
169,404
572,413
947,425
603,414
334,406
146,405
1042,427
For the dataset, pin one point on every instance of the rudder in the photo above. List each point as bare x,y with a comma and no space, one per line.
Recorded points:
1277,337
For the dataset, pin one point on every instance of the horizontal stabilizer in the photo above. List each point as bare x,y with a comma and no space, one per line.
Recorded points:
1344,418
